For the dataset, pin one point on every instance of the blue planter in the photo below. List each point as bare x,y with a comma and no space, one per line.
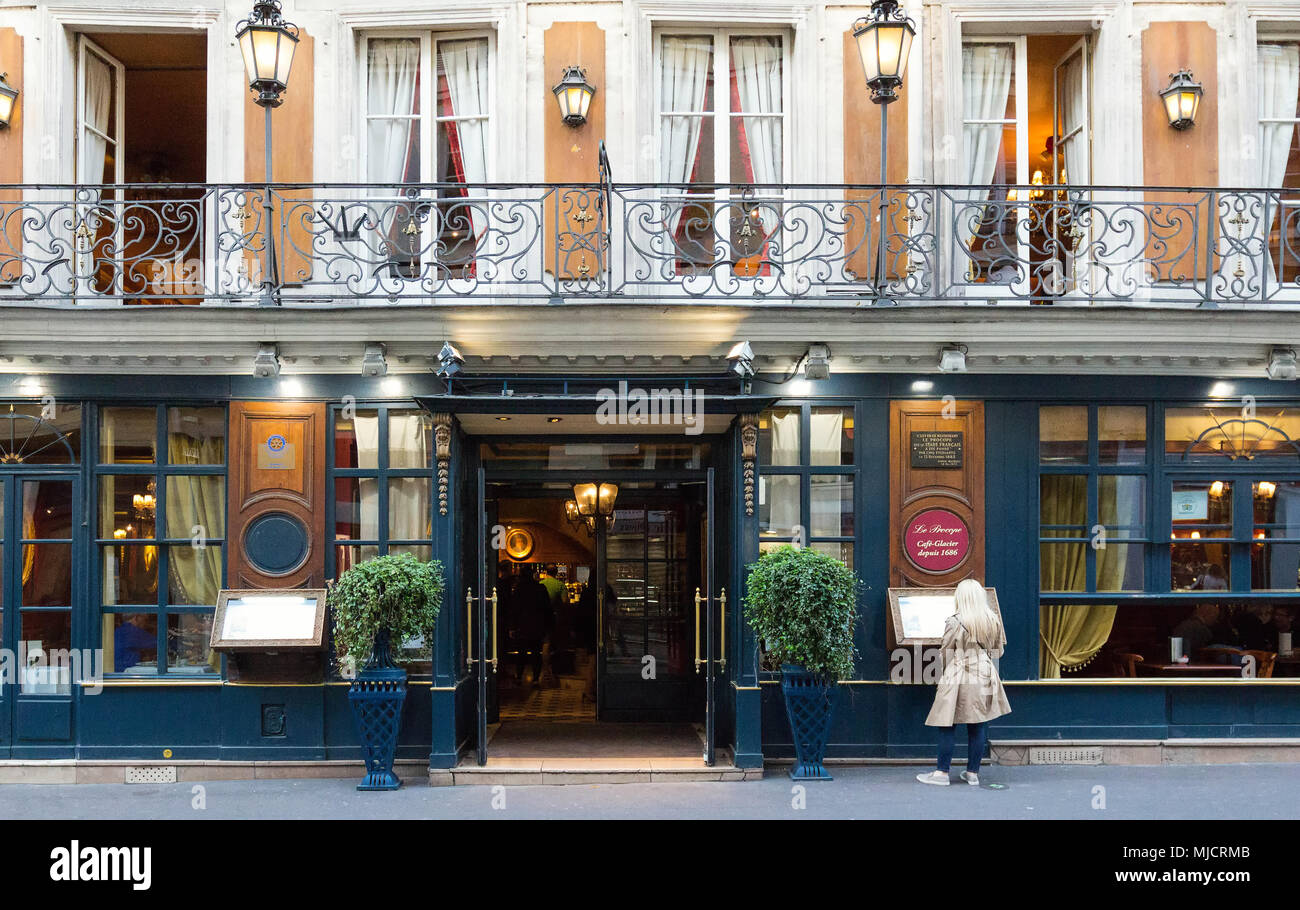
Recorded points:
378,695
809,700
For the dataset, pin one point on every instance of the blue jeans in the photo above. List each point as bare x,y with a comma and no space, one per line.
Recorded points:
975,739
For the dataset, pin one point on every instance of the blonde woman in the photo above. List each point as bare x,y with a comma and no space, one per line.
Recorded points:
970,691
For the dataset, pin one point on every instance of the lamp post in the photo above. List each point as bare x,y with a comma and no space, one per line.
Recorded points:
267,43
884,40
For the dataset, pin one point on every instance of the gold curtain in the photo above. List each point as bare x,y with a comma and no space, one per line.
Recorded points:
1071,635
196,500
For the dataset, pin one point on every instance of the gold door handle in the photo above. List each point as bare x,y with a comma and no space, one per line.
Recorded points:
722,629
469,628
698,661
495,637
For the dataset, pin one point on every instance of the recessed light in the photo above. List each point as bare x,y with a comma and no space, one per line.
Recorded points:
552,419
503,418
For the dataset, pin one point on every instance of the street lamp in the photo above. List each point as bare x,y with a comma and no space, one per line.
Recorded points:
884,41
1182,99
267,42
8,100
574,93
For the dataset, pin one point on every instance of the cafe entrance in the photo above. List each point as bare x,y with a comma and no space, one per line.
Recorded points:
595,619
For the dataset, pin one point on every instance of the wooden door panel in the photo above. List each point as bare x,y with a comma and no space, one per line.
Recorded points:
277,494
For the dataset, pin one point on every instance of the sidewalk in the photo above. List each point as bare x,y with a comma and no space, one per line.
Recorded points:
1219,792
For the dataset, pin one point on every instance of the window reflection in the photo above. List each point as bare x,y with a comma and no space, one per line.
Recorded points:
1202,513
1275,551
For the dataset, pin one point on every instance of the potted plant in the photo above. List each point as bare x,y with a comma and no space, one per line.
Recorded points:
377,602
802,604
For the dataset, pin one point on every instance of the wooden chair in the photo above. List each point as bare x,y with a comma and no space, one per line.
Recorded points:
1126,663
1264,661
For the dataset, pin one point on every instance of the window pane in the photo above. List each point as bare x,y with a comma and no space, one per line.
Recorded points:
756,89
686,147
1121,566
188,635
131,642
193,574
196,435
48,635
47,574
1063,435
419,551
347,557
129,574
356,441
832,505
409,517
1231,432
393,109
778,436
40,434
1121,435
1121,504
356,508
832,436
197,501
410,440
127,435
1276,566
127,506
778,505
47,509
1063,503
1062,566
686,74
841,550
1198,506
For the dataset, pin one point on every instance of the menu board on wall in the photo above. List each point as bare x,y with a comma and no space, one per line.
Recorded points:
261,619
917,616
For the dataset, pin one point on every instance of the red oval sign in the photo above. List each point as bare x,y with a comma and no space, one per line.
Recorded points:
936,541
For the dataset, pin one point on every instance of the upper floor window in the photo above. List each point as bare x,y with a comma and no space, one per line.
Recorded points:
721,102
1278,69
427,121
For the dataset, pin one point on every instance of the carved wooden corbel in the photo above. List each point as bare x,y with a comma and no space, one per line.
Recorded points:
748,455
442,446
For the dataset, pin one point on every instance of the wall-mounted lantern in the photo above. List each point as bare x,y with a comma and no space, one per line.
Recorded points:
594,500
1182,99
8,100
574,94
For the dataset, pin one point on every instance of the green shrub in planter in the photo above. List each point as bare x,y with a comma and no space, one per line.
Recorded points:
398,594
802,604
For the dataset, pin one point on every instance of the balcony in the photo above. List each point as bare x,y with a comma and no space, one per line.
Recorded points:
352,244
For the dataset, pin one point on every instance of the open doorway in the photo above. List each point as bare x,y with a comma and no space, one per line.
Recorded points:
597,626
141,137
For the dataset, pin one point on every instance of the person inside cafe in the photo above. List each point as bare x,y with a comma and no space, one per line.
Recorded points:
1283,621
1255,630
1200,630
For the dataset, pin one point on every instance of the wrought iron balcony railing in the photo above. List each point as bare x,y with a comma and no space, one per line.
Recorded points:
431,243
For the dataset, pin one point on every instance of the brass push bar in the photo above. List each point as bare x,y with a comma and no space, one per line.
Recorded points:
495,637
469,628
698,661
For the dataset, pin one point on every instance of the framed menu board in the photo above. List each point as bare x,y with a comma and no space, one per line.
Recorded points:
262,619
917,615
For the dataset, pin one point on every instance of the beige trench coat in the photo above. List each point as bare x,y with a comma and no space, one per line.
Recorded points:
970,690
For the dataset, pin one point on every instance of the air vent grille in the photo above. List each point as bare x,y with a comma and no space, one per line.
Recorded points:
151,774
1066,755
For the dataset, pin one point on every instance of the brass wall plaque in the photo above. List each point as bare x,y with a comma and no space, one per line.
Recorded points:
937,448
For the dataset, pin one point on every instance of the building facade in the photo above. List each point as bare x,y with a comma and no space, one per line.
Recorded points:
1060,332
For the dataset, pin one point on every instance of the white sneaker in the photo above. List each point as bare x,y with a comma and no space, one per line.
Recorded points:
938,778
971,778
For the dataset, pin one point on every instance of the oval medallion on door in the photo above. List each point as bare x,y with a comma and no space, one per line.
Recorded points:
276,543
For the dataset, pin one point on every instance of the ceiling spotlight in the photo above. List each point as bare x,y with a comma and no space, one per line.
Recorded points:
818,363
372,361
1282,364
267,362
952,358
450,362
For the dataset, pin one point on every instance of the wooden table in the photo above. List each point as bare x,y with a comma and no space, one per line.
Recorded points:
1146,668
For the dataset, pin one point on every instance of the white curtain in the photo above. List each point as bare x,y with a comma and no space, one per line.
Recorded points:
757,64
367,432
1279,89
986,71
465,64
827,432
408,497
99,97
1074,114
394,64
683,81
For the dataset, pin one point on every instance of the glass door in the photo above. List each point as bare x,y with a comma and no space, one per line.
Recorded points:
39,567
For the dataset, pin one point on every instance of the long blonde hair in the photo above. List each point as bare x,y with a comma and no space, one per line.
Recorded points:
974,612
